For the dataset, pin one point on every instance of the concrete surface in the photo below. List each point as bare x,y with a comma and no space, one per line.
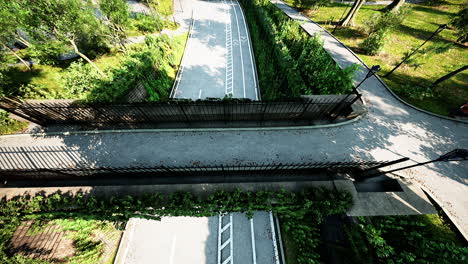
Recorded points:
175,240
218,58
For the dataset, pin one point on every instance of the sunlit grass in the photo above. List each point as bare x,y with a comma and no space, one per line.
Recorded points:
422,21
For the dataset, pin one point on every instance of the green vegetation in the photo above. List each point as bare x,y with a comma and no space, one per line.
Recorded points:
291,63
300,213
108,68
411,81
8,125
87,36
405,239
153,64
164,7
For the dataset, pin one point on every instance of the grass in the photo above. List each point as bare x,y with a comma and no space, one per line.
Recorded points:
422,21
85,234
164,7
10,126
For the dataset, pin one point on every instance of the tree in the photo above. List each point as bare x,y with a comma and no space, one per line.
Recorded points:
349,19
449,75
10,20
395,5
70,22
118,15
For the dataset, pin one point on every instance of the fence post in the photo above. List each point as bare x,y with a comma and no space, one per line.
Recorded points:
339,107
309,102
183,111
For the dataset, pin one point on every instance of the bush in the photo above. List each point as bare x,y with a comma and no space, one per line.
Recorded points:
410,239
46,53
291,63
150,24
80,78
373,45
386,20
148,64
377,27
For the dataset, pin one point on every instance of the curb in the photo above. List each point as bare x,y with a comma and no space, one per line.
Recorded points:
378,77
194,130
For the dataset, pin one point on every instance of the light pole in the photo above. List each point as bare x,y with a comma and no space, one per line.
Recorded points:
438,30
454,155
372,71
336,111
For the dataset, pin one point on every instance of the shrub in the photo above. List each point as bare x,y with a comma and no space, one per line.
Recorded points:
47,52
148,64
377,27
373,45
291,63
410,239
145,23
79,79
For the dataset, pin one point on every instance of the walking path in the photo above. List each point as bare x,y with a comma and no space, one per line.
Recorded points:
390,130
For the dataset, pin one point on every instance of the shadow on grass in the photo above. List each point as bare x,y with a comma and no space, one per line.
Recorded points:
416,90
431,10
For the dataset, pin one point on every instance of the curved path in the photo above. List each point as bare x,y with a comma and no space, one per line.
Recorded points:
390,130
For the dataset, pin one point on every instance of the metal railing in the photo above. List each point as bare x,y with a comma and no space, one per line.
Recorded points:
46,112
219,171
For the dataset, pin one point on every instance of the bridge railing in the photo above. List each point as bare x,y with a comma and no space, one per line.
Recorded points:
311,108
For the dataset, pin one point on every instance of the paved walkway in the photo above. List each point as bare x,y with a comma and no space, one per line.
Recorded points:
218,59
390,130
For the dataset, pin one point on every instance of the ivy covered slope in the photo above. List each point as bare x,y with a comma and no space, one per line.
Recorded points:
302,212
406,239
291,63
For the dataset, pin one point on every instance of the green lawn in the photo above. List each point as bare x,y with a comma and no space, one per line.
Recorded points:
421,22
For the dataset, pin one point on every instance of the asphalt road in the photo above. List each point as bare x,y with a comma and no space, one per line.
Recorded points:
196,240
218,59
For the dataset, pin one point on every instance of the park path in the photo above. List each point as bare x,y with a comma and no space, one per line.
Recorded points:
390,130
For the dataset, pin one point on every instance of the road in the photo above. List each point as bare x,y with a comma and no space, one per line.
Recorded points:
177,240
218,59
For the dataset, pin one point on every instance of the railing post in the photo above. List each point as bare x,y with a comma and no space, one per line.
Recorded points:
309,102
183,111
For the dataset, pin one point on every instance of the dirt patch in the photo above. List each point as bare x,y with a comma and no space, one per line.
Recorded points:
48,242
